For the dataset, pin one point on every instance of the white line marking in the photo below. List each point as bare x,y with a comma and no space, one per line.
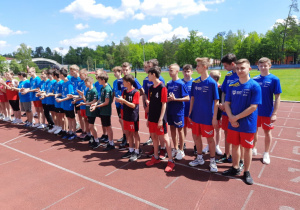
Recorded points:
283,139
63,198
117,169
171,183
285,158
19,136
285,122
273,146
289,118
9,161
280,126
53,147
14,142
87,178
280,132
261,171
247,200
288,111
289,115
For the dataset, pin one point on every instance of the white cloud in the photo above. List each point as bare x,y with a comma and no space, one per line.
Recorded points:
64,51
180,32
5,31
3,44
83,40
80,26
282,21
139,16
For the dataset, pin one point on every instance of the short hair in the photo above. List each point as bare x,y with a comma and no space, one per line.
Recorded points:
229,58
32,68
99,71
129,78
243,60
23,74
153,61
10,72
50,71
216,74
63,71
74,67
187,67
56,67
126,64
204,61
145,63
264,60
55,73
117,68
103,75
175,65
84,71
89,79
44,71
155,70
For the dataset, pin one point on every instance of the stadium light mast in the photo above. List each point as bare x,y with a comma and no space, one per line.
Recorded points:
222,34
61,51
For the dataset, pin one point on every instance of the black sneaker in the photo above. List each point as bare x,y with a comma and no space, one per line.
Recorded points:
195,150
247,177
184,146
79,131
229,159
96,145
231,172
223,159
134,157
103,138
61,133
127,155
123,147
241,164
91,142
121,139
109,147
86,138
24,115
149,141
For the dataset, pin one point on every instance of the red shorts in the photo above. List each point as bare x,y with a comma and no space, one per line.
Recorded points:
203,130
265,123
146,115
240,138
153,128
3,98
83,113
225,121
131,126
219,123
37,104
187,123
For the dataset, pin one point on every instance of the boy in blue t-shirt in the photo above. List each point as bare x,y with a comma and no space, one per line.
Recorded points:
242,99
270,86
203,112
177,95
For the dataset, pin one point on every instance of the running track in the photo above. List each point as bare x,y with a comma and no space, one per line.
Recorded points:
40,171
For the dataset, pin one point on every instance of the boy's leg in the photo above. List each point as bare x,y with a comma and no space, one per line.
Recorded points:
212,146
268,140
181,137
174,136
248,158
236,156
137,140
155,138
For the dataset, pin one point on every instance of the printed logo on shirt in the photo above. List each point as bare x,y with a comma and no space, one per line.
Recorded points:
198,88
205,89
65,89
269,125
197,81
209,132
249,142
233,92
246,92
234,84
267,84
178,123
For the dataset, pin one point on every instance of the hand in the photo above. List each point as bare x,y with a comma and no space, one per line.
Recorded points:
73,102
147,102
215,123
159,123
233,119
58,100
171,97
273,118
70,96
235,124
120,99
81,104
190,119
92,108
80,92
222,107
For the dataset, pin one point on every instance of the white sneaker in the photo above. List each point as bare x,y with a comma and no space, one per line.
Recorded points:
41,126
266,158
6,119
218,150
254,151
180,154
53,129
197,161
206,149
36,125
57,130
14,121
213,166
174,152
77,125
33,121
20,121
35,114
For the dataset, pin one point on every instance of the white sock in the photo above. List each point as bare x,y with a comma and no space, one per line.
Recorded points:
137,151
200,156
212,159
111,142
131,149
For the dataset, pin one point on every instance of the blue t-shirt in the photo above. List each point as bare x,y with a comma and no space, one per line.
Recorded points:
84,89
229,78
147,84
120,86
269,85
205,93
179,90
67,88
50,89
188,86
45,100
34,83
241,96
75,82
25,97
57,90
116,92
98,87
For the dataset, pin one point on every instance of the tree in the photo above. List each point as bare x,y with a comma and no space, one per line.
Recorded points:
23,55
90,62
15,67
3,64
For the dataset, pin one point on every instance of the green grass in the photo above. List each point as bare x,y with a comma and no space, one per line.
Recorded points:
289,79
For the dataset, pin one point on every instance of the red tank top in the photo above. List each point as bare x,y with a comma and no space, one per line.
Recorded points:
11,95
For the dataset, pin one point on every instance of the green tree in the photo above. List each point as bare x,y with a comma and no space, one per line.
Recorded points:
15,66
23,55
90,63
3,64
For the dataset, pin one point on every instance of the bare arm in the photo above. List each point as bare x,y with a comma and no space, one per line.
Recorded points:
214,120
191,106
276,106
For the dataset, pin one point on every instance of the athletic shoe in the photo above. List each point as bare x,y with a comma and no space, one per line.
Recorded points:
42,126
53,129
229,159
91,142
213,166
127,154
109,147
195,150
81,136
19,121
121,139
223,159
218,150
231,172
162,154
170,166
87,138
123,147
72,137
149,141
134,157
35,115
197,161
67,136
103,139
241,165
36,125
152,161
6,119
24,115
61,133
96,145
180,154
254,152
151,153
247,177
174,152
29,124
266,158
58,130
77,125
79,131
14,121
206,149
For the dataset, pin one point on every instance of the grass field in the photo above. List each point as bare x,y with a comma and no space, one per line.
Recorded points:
289,79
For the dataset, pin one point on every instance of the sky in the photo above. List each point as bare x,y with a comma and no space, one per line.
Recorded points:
80,23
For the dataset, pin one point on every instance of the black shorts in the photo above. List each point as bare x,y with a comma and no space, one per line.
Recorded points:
105,120
91,120
51,107
70,113
76,108
119,112
59,110
14,105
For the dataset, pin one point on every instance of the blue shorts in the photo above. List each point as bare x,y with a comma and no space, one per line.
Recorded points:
176,120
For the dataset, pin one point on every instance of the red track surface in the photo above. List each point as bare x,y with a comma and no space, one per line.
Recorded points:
39,170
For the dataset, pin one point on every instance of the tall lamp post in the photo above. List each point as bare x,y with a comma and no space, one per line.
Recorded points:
61,51
222,34
95,64
143,43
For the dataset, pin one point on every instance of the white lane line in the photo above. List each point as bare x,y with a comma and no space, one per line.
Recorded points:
282,158
289,118
19,136
9,161
117,169
14,142
280,126
280,132
273,146
288,111
87,178
285,122
171,183
261,171
247,200
283,139
53,147
63,198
